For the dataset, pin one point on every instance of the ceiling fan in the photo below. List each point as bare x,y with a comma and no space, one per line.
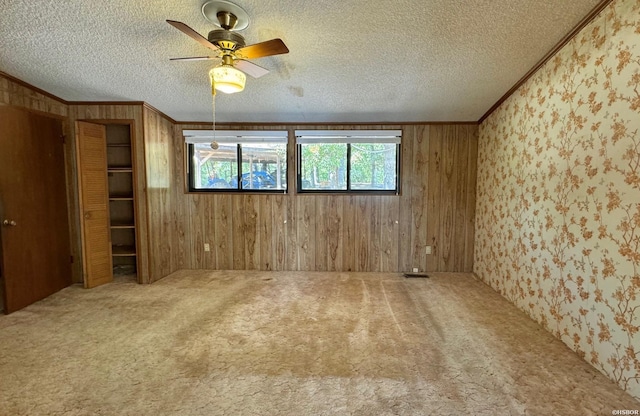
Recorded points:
230,46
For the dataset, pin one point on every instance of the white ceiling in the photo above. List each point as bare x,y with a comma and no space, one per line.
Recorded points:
349,61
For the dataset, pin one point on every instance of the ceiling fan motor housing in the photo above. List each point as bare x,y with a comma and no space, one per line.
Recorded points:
225,39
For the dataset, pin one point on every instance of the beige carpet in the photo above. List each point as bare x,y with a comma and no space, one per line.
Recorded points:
248,343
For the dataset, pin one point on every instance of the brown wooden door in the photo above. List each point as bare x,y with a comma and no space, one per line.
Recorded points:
91,145
36,258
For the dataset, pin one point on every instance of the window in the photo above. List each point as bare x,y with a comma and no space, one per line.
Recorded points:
237,160
350,161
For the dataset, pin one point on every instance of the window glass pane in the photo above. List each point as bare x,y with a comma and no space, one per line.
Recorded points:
324,166
215,168
264,166
373,166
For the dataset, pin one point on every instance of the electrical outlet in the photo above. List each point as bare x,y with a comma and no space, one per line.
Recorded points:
207,247
427,250
415,270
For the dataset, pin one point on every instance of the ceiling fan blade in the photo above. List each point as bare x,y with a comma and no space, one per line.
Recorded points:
195,58
267,48
192,34
256,71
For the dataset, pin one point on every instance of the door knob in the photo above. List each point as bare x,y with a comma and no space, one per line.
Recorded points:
10,223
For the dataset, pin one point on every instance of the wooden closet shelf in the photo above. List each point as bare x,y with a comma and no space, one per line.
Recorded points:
122,225
119,169
123,251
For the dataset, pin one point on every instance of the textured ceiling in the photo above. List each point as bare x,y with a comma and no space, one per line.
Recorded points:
349,61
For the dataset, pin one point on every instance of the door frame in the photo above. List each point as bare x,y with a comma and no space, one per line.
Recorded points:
136,194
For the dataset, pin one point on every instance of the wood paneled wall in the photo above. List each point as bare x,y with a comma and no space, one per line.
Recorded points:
328,232
283,231
19,94
165,193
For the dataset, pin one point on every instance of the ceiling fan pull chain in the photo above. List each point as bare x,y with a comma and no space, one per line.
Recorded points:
214,144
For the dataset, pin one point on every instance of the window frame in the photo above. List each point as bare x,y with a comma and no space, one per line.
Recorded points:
240,138
348,137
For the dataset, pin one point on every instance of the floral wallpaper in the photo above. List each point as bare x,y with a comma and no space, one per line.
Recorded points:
558,208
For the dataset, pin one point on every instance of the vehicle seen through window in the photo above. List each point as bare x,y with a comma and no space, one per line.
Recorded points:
329,161
237,160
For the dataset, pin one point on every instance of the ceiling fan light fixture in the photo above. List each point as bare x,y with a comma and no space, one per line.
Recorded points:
227,79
